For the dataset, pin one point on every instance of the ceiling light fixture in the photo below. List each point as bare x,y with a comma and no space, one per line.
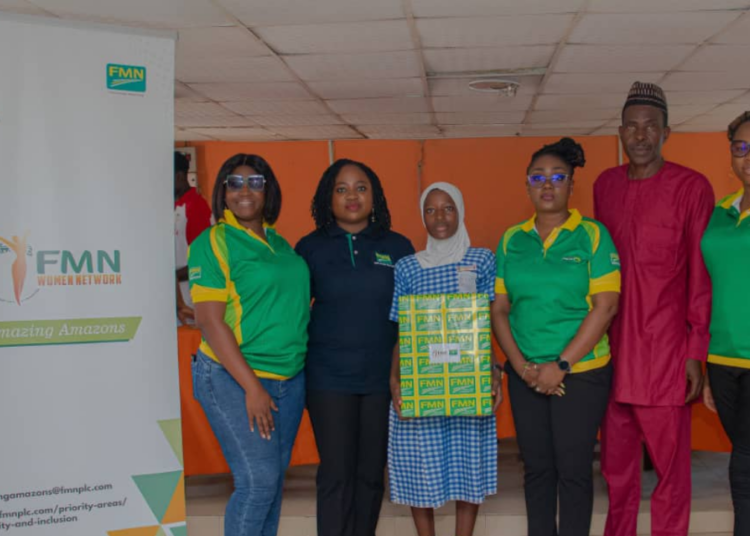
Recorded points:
504,87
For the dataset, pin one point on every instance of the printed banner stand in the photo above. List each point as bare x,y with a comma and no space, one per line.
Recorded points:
89,400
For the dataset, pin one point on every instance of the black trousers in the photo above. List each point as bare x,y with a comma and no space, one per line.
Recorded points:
351,432
731,389
556,436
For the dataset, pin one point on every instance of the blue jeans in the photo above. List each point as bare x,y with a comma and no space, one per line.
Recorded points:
258,465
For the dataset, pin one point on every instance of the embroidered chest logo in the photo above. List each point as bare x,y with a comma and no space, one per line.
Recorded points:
576,260
614,259
383,259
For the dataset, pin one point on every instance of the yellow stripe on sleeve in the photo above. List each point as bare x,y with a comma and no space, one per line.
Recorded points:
500,286
204,294
605,283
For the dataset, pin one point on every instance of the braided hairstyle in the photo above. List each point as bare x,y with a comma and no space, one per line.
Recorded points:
321,209
743,118
567,150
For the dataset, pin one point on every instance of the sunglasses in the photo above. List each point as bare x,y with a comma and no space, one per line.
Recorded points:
235,183
739,148
557,180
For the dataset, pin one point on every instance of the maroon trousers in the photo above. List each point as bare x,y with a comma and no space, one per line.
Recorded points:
666,432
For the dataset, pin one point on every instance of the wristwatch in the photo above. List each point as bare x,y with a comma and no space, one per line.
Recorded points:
563,365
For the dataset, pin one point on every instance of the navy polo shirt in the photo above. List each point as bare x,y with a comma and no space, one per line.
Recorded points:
351,339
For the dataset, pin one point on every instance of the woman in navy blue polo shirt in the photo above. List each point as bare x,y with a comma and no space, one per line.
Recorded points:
351,255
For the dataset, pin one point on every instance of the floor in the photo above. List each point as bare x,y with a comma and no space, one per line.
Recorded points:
504,514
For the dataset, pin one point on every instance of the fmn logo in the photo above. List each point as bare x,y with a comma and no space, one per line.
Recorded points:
128,78
25,269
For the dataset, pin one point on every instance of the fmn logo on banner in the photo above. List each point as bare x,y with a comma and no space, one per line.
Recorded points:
89,404
131,78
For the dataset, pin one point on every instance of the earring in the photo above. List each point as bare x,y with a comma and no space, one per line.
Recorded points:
373,216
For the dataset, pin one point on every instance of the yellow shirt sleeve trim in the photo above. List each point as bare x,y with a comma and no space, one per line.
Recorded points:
500,286
606,283
204,294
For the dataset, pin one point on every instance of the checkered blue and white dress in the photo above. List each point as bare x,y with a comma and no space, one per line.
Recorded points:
433,460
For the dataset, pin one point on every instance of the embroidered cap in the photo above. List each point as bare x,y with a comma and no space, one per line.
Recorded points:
647,94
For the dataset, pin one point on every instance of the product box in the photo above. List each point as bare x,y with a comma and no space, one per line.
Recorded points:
446,355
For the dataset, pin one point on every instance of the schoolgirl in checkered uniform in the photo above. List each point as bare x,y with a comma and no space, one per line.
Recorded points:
433,460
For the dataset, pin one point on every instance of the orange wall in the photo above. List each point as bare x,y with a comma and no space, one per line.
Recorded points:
490,173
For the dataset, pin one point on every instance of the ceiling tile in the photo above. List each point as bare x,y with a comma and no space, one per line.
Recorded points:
331,132
651,28
380,36
285,107
183,92
399,131
280,12
459,87
388,119
481,103
718,58
490,8
402,64
189,121
387,105
458,60
617,83
239,92
259,69
218,42
737,34
598,116
296,120
20,6
620,59
702,97
584,101
700,128
188,108
364,89
161,14
555,130
606,131
238,134
493,31
480,118
480,131
187,135
663,6
681,113
735,79
721,116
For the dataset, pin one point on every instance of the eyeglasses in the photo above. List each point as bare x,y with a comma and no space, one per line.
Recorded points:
235,183
739,148
557,180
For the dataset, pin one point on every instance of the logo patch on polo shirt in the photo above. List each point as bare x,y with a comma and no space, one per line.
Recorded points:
577,260
382,259
195,273
614,259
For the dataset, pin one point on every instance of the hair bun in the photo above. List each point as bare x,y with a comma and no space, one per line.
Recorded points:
572,152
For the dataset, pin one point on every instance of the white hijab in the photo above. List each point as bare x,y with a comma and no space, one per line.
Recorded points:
451,250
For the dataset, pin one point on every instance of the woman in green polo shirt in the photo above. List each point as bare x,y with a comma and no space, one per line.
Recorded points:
252,301
726,251
557,290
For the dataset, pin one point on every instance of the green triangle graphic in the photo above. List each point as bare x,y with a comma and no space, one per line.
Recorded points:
172,430
158,489
179,531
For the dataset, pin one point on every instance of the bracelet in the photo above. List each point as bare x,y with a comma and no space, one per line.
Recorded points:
526,367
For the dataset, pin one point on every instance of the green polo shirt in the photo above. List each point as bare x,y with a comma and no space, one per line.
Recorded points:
266,287
550,284
726,251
